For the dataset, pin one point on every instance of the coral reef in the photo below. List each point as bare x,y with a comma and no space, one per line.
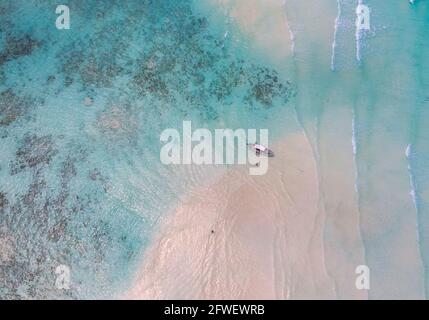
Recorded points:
12,107
18,47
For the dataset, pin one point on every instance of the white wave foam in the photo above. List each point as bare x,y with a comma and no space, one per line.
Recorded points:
292,39
334,42
358,39
408,151
291,33
413,193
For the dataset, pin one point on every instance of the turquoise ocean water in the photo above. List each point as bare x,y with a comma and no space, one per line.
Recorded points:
82,185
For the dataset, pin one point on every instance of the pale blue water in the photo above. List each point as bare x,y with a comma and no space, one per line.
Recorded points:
82,185
382,77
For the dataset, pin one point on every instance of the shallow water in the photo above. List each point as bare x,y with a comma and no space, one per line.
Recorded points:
82,185
376,77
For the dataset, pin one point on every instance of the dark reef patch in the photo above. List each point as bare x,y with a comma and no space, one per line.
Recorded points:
148,78
6,8
228,78
18,47
97,71
34,151
3,201
2,76
265,87
50,79
89,69
12,107
96,175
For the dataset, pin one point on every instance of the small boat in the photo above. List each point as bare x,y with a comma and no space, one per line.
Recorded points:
260,149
